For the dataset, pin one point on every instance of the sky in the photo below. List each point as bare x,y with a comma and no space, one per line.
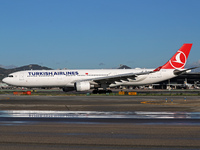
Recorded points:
89,34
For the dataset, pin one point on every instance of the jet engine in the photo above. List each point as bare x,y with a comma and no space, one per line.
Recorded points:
82,86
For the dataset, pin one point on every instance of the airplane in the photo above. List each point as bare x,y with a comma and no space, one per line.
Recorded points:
83,80
189,85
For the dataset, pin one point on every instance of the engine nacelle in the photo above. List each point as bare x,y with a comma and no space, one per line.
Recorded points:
82,86
67,89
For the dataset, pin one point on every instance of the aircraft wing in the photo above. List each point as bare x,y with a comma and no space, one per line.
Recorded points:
117,78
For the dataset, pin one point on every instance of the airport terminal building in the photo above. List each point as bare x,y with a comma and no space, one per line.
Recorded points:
187,80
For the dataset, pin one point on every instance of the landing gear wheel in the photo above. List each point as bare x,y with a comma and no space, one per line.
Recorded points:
101,91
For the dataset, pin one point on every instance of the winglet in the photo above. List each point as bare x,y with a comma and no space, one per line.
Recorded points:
157,69
178,61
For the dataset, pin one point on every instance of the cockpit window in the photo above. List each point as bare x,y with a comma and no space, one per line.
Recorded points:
11,76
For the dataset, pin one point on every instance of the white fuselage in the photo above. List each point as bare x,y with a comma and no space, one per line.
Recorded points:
67,78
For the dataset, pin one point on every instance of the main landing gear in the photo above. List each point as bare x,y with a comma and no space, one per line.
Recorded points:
101,91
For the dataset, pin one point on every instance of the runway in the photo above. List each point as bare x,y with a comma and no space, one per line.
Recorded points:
102,103
99,122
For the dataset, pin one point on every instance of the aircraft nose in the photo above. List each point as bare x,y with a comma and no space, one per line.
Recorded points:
5,80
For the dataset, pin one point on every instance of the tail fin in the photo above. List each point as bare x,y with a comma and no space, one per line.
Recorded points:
178,61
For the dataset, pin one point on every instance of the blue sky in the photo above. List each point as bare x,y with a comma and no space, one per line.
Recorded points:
78,34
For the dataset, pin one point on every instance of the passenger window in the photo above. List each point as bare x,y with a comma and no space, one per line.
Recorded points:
11,76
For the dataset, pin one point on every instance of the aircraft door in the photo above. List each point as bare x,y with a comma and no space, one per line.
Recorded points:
159,75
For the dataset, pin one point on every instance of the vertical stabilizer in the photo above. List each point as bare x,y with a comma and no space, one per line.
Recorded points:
179,60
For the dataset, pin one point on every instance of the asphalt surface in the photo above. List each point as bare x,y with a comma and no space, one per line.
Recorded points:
99,136
22,132
101,103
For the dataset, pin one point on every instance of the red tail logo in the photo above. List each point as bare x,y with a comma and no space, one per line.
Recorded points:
178,61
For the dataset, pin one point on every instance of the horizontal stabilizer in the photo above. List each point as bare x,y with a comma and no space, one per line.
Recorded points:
179,72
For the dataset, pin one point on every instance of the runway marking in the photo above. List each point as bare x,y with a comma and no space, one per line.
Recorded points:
157,103
6,98
145,102
150,102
